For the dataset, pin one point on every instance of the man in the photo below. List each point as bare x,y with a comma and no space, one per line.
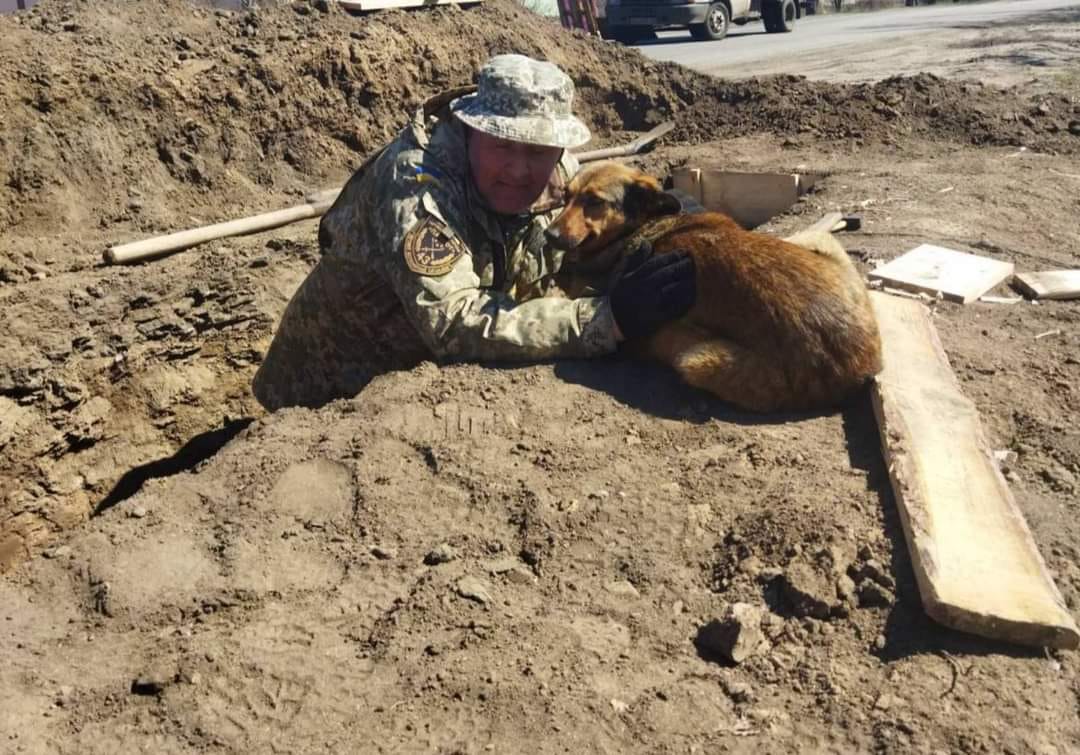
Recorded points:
435,250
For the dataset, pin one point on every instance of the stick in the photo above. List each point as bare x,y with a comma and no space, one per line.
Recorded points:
632,148
160,246
316,205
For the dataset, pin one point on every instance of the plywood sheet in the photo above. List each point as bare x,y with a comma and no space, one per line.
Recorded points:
958,276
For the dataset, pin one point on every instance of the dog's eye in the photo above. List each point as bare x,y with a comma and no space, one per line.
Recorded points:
593,200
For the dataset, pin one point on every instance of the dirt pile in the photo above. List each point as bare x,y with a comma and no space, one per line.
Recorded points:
462,558
118,119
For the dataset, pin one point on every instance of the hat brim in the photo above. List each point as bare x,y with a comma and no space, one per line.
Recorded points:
565,131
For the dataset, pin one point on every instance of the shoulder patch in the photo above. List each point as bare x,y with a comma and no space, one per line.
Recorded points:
431,248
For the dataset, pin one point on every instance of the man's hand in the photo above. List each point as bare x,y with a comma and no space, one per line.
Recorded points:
652,291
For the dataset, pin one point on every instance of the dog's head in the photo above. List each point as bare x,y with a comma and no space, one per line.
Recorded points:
604,203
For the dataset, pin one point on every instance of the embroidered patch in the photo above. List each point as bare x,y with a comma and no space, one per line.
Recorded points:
431,249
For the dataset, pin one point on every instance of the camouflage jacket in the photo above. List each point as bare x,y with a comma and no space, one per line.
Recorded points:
414,267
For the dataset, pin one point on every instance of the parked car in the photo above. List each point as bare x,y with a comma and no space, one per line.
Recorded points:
632,21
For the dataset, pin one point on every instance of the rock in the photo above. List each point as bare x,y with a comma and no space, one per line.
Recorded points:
61,551
443,553
153,681
138,512
809,593
622,587
383,554
519,575
872,570
64,695
739,692
873,595
736,635
474,589
845,589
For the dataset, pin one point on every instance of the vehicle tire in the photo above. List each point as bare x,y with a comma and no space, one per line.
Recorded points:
715,27
779,16
628,35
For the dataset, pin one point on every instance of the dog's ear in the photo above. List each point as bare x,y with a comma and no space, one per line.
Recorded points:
647,200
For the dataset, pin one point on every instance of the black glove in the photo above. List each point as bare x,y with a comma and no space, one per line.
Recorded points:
652,291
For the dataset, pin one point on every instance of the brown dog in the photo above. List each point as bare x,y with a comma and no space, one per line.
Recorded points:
776,325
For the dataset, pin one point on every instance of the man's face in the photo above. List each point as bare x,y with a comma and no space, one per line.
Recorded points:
510,176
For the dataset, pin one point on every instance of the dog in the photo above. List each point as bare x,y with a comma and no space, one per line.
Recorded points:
778,325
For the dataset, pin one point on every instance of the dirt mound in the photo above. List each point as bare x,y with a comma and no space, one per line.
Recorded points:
135,119
462,558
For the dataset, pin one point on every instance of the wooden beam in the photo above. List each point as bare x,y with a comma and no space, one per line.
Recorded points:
1051,284
974,558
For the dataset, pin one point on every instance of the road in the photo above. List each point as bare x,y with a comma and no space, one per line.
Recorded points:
848,46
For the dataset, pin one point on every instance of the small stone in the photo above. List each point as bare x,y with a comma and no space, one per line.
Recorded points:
383,554
64,695
885,701
739,692
61,551
623,588
519,575
872,570
443,553
138,512
151,682
619,706
1012,476
873,595
736,635
474,589
809,593
845,589
879,642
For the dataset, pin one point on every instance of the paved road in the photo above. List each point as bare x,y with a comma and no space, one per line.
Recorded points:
749,49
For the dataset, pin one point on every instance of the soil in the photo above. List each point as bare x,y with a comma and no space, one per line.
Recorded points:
463,559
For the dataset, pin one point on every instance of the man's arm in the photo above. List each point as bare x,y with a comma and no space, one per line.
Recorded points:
459,320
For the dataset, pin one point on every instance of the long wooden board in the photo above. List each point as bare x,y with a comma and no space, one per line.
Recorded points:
958,276
975,561
1051,284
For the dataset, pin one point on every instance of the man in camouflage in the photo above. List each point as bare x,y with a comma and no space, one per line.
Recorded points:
435,249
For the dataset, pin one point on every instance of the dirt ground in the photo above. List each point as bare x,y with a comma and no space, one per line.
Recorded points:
466,559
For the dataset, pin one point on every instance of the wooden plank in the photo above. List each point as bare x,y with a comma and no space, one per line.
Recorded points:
750,199
957,276
974,558
1051,284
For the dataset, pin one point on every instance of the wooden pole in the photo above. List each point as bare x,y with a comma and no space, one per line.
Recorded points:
159,246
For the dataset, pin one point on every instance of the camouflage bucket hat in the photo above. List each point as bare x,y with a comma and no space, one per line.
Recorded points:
523,100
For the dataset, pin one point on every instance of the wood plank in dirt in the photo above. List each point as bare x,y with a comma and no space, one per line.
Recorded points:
750,199
958,276
1050,284
976,563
